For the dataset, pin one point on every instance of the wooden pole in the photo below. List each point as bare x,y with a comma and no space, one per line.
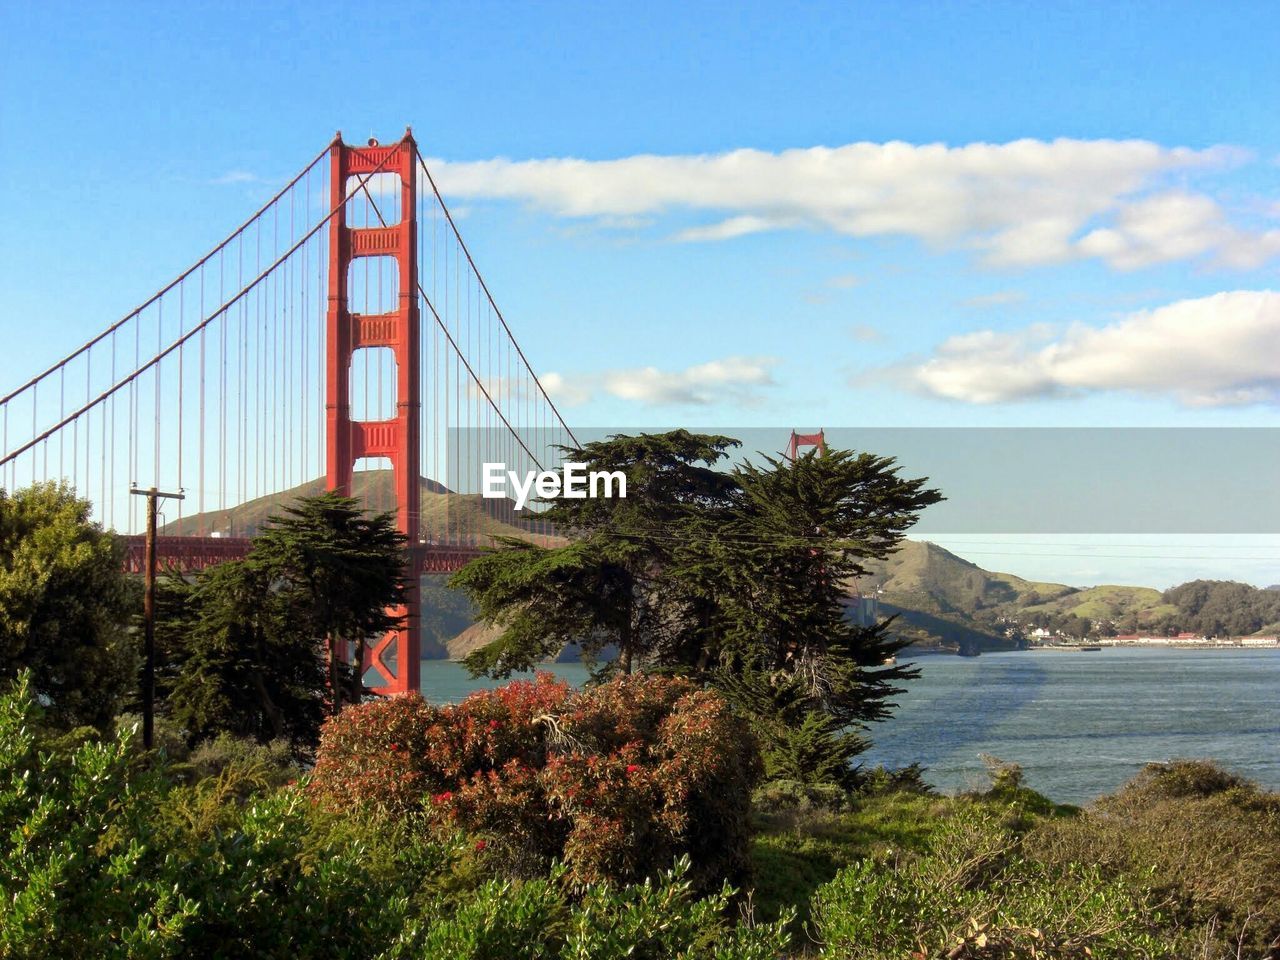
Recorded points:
149,615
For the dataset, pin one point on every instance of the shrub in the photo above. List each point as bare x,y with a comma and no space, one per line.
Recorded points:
74,850
99,857
1180,779
802,842
265,765
617,780
1197,834
975,895
880,780
654,920
787,796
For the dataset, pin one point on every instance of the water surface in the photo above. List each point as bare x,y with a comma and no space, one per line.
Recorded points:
1080,724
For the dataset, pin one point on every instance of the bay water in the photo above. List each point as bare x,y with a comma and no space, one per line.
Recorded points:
1079,723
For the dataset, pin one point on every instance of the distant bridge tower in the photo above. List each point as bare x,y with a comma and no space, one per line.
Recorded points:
816,440
398,439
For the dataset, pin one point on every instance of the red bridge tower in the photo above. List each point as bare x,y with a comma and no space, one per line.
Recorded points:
397,439
817,440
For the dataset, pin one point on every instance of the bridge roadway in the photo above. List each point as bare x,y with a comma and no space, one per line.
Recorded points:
188,554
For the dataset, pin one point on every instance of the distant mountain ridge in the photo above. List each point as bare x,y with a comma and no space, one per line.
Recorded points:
943,598
443,512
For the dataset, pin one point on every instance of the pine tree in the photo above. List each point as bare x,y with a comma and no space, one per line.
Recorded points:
259,645
340,570
242,665
788,559
615,583
741,578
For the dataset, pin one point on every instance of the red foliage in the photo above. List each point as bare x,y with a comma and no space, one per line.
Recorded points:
616,780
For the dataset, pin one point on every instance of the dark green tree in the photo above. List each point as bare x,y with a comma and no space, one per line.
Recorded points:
797,741
810,674
617,581
340,570
65,605
261,647
242,665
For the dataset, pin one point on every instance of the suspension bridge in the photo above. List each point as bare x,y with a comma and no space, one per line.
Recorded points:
341,338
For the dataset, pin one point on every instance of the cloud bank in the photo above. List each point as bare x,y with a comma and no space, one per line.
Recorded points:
1017,204
1221,350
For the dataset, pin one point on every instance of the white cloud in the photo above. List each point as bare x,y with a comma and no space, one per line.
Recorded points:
563,390
728,229
1021,203
865,333
737,378
1219,350
1177,225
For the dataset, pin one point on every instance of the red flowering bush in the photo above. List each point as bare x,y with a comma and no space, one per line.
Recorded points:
617,780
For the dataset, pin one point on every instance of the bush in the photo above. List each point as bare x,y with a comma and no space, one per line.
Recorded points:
1182,779
880,780
655,920
1197,834
789,796
975,895
617,780
266,765
103,856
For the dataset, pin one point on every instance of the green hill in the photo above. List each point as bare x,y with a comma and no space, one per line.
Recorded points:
443,513
945,599
923,576
1108,602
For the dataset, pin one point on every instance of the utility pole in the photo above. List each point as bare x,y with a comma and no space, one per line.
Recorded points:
149,614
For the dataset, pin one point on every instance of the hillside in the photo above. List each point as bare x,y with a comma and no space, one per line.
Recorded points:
923,576
443,511
1108,603
943,598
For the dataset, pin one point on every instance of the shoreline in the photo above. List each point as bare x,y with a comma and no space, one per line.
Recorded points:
1095,646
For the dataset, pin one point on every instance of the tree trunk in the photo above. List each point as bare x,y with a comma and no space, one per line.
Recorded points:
269,708
624,645
335,689
357,672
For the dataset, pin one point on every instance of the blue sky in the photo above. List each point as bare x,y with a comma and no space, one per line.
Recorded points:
1023,216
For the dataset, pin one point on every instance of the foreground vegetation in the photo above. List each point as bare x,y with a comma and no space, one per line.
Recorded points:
228,851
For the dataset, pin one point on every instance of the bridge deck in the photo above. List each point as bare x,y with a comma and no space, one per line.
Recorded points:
189,554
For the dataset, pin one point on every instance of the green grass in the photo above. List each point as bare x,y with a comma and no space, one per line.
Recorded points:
797,850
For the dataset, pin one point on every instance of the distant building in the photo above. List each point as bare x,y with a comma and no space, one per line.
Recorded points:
1260,641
